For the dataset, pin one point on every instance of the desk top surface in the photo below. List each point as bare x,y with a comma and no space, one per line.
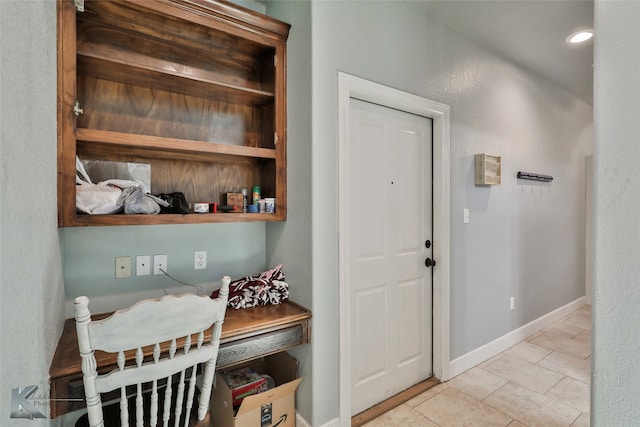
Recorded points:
67,361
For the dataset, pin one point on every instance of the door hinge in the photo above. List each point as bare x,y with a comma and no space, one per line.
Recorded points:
275,60
275,139
79,5
77,111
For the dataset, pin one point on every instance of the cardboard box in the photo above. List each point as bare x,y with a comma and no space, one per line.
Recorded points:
275,407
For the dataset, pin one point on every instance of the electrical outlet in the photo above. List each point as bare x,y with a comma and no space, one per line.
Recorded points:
200,260
143,265
159,263
512,303
123,267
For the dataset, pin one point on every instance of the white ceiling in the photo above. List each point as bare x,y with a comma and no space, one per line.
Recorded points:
529,33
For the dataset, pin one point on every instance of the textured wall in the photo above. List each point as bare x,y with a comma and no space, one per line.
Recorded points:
90,252
615,400
31,290
290,242
525,241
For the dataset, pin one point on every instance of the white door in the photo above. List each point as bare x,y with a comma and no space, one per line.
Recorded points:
389,221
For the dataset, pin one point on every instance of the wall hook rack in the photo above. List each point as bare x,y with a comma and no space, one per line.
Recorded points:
534,176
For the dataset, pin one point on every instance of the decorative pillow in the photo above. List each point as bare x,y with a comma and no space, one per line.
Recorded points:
267,288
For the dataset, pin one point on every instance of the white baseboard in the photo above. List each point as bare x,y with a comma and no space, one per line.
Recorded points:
497,346
301,422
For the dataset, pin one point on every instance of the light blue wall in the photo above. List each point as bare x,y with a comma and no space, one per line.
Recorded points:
31,289
290,242
525,241
89,255
615,400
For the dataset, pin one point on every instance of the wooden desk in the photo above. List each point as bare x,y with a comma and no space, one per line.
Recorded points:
247,334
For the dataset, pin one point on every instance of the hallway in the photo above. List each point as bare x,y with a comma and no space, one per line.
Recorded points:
543,381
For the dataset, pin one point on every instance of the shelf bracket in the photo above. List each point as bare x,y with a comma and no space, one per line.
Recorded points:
77,111
79,5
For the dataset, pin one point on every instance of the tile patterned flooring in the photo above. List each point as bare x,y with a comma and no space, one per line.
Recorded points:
543,381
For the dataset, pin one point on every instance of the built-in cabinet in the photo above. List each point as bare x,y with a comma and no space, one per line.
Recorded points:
194,88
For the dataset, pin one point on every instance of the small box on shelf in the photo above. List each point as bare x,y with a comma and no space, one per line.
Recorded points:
488,169
236,200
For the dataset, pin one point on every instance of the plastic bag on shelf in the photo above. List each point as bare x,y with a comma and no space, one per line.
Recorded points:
102,170
135,201
101,198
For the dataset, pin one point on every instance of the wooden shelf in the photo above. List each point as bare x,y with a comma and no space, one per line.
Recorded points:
153,33
160,147
195,89
121,219
153,73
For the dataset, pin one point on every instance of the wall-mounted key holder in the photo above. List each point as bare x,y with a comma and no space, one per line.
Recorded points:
534,176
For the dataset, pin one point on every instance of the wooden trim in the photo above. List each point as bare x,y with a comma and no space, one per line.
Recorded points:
281,129
66,30
230,14
393,402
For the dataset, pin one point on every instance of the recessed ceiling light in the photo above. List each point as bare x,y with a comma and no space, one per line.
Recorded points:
580,36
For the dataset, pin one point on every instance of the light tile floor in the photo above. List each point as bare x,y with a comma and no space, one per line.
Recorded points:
542,381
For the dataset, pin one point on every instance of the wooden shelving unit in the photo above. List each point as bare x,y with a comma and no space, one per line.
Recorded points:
196,89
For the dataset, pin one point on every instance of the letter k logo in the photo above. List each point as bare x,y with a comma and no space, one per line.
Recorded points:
21,407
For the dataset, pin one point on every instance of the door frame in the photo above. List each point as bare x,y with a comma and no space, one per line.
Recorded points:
350,86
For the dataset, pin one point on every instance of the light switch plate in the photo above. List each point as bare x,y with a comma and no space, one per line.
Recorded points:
123,267
143,265
159,264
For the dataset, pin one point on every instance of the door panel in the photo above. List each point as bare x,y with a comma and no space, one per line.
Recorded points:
389,219
410,344
407,166
369,230
370,308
